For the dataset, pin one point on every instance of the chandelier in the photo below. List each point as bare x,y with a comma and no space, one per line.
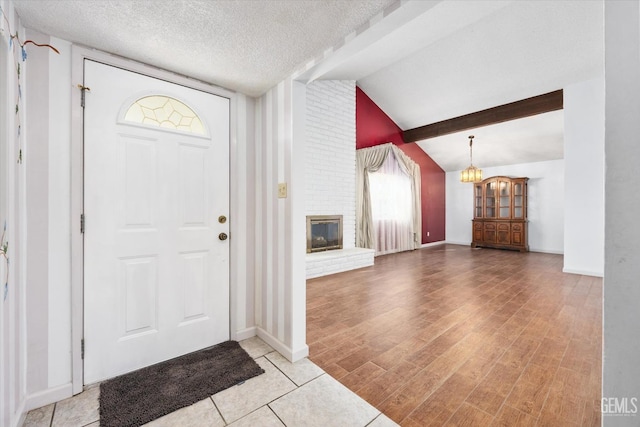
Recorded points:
472,173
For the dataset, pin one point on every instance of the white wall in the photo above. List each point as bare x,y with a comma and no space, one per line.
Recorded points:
36,163
458,209
47,164
242,217
584,178
330,157
621,370
59,188
545,204
48,221
280,238
13,334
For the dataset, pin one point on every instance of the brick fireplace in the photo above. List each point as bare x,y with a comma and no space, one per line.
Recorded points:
330,178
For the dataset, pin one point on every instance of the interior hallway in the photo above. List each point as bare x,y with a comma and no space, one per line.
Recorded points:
451,335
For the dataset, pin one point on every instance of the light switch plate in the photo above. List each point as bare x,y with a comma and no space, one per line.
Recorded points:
282,190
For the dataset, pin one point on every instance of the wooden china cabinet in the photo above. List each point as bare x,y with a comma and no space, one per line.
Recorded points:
500,213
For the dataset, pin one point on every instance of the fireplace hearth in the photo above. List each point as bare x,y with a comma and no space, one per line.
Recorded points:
324,233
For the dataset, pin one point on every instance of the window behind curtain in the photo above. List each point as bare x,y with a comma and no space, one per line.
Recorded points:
391,207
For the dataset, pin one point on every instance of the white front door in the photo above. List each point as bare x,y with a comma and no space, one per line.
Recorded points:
156,270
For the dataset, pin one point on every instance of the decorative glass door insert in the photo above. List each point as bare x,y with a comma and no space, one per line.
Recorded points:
504,211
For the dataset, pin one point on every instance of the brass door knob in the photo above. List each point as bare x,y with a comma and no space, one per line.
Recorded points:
222,236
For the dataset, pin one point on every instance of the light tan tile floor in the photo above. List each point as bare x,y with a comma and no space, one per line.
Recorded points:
288,394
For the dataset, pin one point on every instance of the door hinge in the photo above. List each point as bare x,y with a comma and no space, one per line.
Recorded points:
83,90
82,223
82,348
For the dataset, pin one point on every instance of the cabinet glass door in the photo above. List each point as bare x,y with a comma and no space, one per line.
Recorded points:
505,206
478,201
518,198
490,199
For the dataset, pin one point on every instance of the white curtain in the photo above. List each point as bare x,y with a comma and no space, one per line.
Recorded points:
391,207
388,206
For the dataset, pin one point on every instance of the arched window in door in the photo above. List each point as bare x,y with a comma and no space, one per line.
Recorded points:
165,112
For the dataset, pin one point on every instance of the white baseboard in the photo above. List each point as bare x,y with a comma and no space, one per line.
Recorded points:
17,422
544,251
45,397
583,272
455,242
547,251
429,245
244,334
288,353
300,353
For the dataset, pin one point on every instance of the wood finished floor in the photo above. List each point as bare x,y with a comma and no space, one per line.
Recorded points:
451,335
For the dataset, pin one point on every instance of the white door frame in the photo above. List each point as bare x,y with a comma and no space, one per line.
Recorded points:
78,55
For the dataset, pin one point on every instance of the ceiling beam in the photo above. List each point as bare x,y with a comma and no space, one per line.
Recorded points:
551,101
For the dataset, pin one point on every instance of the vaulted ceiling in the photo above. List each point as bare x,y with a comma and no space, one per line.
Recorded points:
420,61
459,57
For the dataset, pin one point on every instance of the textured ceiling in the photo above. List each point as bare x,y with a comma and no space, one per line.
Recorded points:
248,46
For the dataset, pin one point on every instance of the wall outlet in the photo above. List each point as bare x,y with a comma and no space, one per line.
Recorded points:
282,190
427,234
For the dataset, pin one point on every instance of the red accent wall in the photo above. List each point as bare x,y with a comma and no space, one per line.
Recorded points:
374,127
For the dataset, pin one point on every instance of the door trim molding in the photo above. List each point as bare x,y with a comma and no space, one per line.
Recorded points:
78,55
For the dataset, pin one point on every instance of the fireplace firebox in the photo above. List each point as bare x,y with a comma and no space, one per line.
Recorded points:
324,233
